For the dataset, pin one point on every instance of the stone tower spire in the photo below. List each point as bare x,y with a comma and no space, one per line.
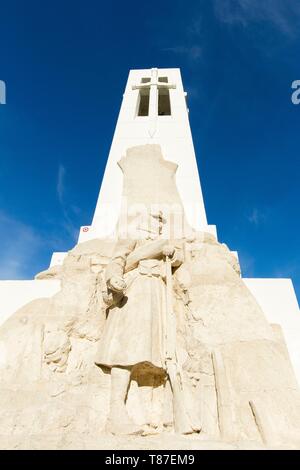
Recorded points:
153,111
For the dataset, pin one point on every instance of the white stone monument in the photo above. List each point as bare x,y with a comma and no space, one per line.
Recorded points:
145,331
153,111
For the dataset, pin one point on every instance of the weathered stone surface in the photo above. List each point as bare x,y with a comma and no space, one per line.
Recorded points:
236,372
155,338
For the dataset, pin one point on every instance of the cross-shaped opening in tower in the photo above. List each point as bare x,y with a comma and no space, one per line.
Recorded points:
154,96
144,99
164,104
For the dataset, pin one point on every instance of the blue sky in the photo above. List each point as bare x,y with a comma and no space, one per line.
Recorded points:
65,66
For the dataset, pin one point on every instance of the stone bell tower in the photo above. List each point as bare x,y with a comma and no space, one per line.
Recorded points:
153,111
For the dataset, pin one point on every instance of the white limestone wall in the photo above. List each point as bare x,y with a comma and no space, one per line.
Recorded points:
278,300
15,294
173,134
57,258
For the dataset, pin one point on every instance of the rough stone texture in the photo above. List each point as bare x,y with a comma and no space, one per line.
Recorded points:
239,376
238,386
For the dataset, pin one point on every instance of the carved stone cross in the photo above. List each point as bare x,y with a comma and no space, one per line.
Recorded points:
154,84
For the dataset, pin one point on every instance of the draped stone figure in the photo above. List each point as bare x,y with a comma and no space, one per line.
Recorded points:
135,329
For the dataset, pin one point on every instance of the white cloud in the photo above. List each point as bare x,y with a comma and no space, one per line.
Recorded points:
61,192
195,29
290,269
193,53
19,245
284,15
256,217
60,189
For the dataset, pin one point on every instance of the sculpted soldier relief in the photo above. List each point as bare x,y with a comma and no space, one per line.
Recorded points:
150,336
138,328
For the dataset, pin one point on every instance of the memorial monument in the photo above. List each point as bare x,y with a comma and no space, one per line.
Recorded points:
145,335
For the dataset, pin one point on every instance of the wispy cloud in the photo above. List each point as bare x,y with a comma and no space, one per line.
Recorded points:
290,269
284,15
67,223
19,245
187,39
193,53
256,217
22,245
195,28
60,189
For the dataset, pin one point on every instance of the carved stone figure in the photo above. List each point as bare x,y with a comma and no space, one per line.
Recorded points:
135,329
